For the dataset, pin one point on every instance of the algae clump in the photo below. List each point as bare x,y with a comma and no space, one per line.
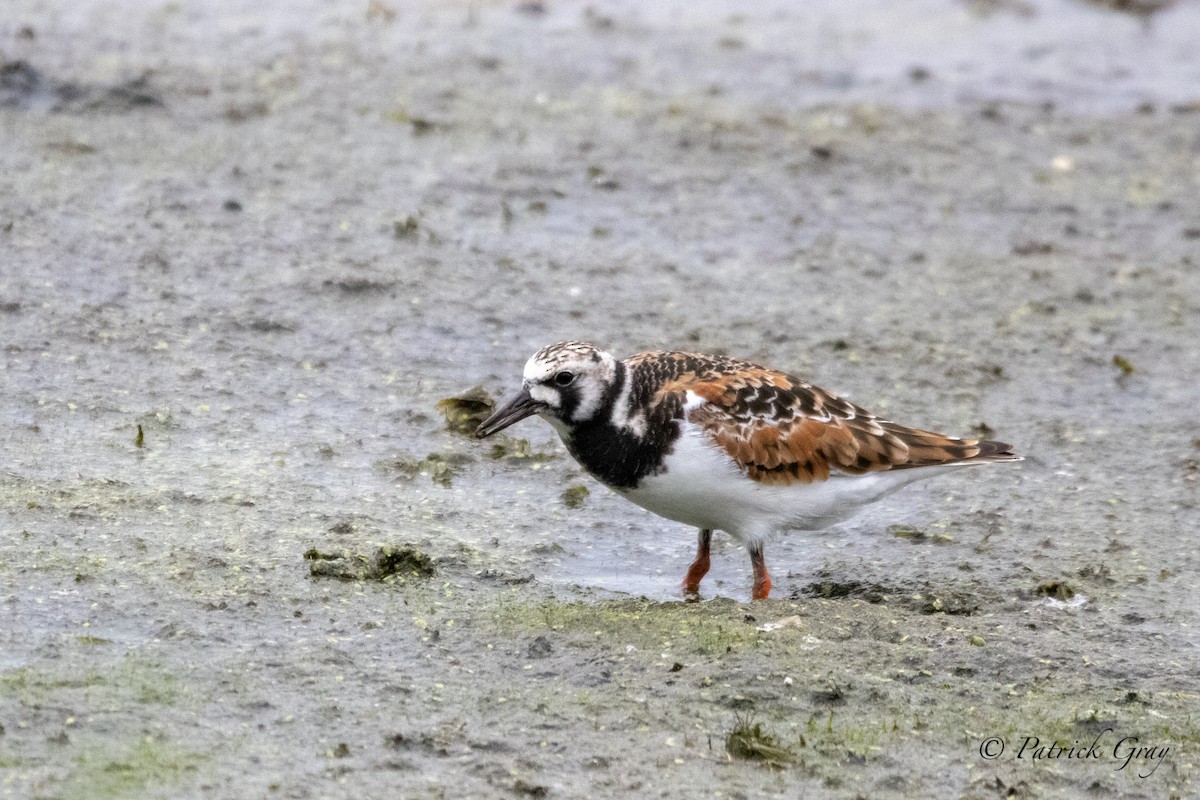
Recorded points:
400,561
466,411
573,496
749,742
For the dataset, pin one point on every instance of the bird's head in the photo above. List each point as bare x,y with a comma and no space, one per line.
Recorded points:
566,383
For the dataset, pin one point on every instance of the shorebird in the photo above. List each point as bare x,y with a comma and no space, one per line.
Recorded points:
722,444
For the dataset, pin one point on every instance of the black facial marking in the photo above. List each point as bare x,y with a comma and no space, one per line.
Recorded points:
615,455
568,402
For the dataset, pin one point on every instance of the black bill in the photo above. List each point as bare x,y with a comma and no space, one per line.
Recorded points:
515,410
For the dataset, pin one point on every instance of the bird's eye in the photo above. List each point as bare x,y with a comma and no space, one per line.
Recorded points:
564,378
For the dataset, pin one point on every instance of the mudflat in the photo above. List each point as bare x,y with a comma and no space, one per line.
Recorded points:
246,248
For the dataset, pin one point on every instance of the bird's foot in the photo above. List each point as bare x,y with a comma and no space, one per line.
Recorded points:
762,579
762,588
698,568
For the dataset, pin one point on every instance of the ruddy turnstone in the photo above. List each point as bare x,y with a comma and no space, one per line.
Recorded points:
727,445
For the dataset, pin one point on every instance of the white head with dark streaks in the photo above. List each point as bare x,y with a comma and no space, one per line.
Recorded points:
570,378
566,383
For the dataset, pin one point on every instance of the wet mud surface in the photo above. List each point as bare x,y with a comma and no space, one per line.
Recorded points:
244,254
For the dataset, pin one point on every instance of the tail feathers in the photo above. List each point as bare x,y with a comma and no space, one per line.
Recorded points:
995,451
926,448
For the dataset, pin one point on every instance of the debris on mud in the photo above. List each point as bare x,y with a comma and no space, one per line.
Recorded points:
356,285
503,577
1101,573
918,536
24,86
907,532
540,647
833,695
529,789
509,449
939,601
573,496
1124,364
1136,8
955,604
466,411
401,561
1057,590
828,589
407,229
440,467
749,742
422,126
1033,248
983,430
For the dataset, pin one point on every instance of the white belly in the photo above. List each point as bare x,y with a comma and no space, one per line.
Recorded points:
703,487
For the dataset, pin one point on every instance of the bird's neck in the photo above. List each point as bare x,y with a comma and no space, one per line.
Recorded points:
624,441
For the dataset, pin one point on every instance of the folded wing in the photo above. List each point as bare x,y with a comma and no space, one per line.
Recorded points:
781,430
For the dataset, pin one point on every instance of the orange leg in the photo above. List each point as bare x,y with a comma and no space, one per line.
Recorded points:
700,564
762,581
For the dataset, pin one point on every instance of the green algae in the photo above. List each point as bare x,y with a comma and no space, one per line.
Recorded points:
512,450
717,627
385,563
465,412
127,680
122,768
748,741
574,496
441,467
